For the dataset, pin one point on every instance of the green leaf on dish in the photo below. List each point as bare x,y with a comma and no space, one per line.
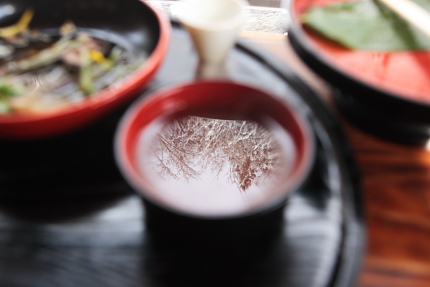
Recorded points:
366,25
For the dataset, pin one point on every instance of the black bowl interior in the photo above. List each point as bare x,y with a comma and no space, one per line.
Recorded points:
130,24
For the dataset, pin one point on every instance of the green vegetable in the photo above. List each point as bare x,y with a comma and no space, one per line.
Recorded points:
45,57
93,68
7,91
4,107
86,74
366,25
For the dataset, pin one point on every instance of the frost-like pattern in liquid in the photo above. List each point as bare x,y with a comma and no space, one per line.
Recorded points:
215,166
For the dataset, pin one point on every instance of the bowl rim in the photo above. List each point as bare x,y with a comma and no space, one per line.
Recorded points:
132,176
322,65
111,93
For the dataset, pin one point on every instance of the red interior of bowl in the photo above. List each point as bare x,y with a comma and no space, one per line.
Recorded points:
98,105
405,74
213,99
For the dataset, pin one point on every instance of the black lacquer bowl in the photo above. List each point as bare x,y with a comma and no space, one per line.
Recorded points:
68,218
387,95
186,189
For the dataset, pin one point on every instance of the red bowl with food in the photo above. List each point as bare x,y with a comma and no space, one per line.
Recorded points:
214,153
381,79
66,64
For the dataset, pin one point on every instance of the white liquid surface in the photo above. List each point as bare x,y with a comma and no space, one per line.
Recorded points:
215,167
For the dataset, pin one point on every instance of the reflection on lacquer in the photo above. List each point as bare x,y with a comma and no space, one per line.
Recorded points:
213,165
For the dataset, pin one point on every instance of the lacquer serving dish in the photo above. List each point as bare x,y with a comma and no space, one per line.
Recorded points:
386,94
133,26
68,217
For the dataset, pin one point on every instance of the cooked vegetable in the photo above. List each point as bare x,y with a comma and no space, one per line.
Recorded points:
5,51
366,25
45,57
19,27
7,91
53,72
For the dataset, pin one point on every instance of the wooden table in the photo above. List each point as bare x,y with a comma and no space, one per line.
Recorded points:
396,184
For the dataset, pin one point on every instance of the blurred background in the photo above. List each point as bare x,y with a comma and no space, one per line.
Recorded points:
265,3
262,3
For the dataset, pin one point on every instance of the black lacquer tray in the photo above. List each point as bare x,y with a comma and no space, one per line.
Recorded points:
67,218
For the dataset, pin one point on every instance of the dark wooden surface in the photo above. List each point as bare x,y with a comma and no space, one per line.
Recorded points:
396,184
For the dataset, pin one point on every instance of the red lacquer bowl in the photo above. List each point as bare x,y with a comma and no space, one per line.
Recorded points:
387,94
207,100
132,24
